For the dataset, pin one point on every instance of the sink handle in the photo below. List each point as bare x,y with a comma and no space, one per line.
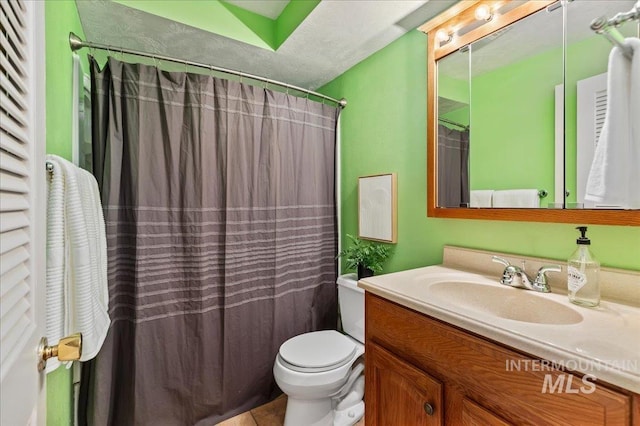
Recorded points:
502,261
540,283
509,270
549,268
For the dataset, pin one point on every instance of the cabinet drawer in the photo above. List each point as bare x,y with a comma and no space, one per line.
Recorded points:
474,368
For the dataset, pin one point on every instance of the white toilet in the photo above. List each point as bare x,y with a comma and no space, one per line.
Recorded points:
322,372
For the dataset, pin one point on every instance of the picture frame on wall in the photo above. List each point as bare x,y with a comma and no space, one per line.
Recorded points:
378,207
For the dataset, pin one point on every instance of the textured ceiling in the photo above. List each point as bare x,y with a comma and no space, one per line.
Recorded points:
335,36
269,8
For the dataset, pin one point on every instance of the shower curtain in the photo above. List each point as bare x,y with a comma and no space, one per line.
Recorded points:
453,170
220,211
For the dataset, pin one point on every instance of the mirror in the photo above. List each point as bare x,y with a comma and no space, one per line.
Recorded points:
510,128
499,147
81,116
454,96
586,81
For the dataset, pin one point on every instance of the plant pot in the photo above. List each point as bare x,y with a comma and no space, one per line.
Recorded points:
364,272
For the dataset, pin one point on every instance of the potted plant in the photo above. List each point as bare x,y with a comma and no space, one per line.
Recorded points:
366,257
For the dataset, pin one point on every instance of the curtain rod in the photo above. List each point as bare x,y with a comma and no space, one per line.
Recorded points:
609,27
76,43
445,120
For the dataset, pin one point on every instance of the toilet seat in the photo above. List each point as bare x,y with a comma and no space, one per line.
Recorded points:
317,351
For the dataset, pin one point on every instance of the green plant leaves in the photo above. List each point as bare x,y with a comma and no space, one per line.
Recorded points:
368,254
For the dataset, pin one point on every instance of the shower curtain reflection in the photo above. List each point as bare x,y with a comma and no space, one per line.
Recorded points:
453,167
219,203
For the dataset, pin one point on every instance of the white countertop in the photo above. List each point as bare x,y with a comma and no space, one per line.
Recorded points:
604,342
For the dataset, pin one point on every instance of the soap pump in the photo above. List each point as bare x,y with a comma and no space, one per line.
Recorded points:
583,273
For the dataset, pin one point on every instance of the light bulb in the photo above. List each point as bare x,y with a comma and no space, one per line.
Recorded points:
483,13
443,36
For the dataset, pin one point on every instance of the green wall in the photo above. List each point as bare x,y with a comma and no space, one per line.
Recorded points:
291,17
505,99
507,148
452,88
455,90
459,116
229,20
61,16
384,130
212,16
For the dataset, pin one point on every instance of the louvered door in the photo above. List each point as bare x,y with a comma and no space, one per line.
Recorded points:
591,111
22,205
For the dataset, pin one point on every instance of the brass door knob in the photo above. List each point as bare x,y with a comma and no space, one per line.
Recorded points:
68,349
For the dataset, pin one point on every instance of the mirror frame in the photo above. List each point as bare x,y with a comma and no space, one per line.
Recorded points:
458,16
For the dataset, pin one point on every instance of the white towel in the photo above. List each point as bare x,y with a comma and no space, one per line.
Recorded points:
55,281
84,290
481,198
516,198
615,172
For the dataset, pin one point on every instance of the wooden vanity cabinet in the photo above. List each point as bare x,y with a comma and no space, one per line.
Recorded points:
421,371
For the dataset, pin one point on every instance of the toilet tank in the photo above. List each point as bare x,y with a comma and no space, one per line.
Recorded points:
351,299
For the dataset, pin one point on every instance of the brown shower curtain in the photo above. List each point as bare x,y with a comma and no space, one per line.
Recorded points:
453,167
221,228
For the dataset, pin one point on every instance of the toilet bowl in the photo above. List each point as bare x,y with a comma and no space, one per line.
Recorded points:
321,371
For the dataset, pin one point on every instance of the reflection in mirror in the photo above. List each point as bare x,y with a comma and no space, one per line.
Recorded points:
81,117
516,126
504,138
586,91
453,129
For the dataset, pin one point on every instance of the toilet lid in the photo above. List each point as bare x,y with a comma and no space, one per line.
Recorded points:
319,350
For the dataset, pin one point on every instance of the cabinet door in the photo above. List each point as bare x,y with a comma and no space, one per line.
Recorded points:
478,369
476,415
398,393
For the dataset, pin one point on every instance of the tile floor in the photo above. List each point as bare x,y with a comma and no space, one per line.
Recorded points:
271,414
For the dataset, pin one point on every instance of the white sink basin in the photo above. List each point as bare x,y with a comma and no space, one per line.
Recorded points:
506,302
603,341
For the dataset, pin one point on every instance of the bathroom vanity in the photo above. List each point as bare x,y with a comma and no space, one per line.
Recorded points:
451,347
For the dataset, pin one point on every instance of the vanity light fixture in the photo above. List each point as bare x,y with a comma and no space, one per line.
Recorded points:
483,13
443,36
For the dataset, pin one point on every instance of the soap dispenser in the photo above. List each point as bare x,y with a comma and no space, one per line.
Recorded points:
583,273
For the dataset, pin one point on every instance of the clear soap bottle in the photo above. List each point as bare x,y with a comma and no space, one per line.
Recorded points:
583,273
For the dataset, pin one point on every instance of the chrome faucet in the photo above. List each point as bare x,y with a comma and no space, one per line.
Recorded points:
515,276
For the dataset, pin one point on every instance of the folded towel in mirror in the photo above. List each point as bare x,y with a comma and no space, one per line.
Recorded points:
481,198
516,198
